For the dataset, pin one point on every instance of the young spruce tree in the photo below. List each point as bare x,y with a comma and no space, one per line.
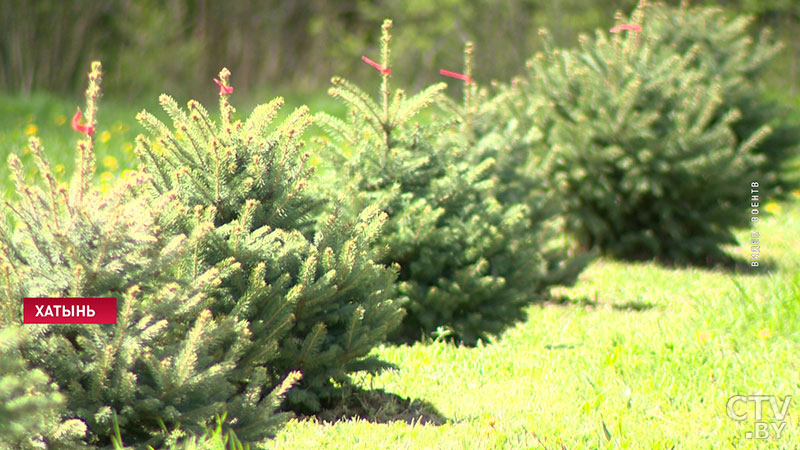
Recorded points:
468,264
168,362
309,283
489,127
728,55
31,408
640,147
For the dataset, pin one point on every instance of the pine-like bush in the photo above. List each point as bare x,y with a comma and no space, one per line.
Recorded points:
169,361
468,264
640,147
493,126
308,282
30,405
728,55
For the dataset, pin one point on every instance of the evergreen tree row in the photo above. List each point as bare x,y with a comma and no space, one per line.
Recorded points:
248,286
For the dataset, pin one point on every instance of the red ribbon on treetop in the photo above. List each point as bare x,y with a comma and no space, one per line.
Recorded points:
627,26
76,124
380,68
460,76
222,88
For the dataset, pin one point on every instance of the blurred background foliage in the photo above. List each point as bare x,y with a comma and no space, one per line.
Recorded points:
152,46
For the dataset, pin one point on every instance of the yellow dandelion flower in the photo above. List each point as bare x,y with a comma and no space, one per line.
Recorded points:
764,334
772,208
489,426
179,135
105,136
61,120
59,168
106,176
127,147
31,129
796,193
110,163
703,336
104,187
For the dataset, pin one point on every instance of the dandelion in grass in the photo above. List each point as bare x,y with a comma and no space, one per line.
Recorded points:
110,163
31,129
772,208
105,136
488,428
59,168
158,148
796,193
128,147
703,336
106,177
764,334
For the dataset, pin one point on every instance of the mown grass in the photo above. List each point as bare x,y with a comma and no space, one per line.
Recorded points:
632,356
635,355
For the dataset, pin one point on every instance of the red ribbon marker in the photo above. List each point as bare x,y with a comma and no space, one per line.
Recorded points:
628,26
380,68
460,76
76,124
222,88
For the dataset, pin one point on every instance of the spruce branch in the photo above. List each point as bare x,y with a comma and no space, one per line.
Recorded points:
385,91
85,161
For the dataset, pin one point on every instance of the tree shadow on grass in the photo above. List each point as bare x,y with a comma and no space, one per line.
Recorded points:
721,263
379,406
563,300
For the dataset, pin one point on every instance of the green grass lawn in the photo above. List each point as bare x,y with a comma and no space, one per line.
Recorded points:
632,356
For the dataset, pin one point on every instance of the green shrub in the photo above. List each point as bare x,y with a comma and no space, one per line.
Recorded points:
492,127
729,56
30,405
468,264
214,437
303,278
168,360
639,147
